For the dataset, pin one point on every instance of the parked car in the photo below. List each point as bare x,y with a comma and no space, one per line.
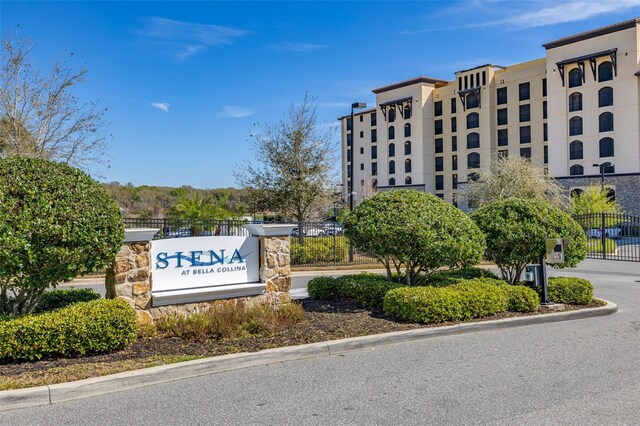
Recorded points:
332,229
608,232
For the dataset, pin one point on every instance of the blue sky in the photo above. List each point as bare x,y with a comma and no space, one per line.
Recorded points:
185,81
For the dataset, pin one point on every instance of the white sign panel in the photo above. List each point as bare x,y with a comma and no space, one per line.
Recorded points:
199,262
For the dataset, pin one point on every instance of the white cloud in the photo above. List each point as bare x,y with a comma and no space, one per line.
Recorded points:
299,47
234,111
162,106
184,39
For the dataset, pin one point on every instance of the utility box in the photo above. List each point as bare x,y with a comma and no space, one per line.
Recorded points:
532,274
555,248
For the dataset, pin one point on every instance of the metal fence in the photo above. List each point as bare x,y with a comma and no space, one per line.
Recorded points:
612,236
312,243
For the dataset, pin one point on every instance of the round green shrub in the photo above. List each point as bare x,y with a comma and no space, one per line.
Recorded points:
482,297
516,231
428,305
55,223
522,299
451,276
323,288
366,290
98,326
570,290
416,230
57,299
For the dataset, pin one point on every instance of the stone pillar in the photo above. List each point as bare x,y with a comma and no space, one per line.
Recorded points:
275,266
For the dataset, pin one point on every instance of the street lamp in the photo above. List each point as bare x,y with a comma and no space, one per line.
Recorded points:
603,167
355,105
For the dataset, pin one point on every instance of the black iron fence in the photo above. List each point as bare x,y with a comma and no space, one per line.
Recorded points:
312,243
612,236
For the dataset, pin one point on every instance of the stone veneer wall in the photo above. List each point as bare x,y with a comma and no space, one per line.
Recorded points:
129,279
627,189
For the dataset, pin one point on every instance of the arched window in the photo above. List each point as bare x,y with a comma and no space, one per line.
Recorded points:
392,181
392,132
407,148
575,150
575,192
473,160
407,180
575,102
407,112
392,114
472,100
605,71
392,150
575,78
407,165
606,147
575,126
605,97
611,194
606,122
407,130
473,120
392,167
576,170
473,140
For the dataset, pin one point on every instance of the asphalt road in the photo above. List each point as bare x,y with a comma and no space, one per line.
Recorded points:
576,372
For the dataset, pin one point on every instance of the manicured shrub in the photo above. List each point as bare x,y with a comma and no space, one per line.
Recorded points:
427,305
451,276
55,224
323,288
365,290
415,230
318,249
516,231
570,290
482,298
98,326
521,298
57,299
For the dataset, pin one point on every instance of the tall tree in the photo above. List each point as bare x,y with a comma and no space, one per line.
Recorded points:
41,117
294,159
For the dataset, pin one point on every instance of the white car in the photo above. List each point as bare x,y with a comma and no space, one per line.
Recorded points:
608,233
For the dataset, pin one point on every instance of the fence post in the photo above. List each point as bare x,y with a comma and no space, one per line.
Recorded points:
603,238
335,248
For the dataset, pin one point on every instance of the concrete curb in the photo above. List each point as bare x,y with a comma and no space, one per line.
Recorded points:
51,394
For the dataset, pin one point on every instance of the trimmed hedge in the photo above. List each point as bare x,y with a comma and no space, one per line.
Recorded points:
57,299
570,290
318,249
365,290
521,298
482,298
452,276
98,326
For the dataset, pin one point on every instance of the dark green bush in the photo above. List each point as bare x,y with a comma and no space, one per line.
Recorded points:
483,297
570,290
323,288
451,276
98,326
318,249
521,298
57,299
365,290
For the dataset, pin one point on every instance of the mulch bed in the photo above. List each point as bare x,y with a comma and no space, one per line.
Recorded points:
323,320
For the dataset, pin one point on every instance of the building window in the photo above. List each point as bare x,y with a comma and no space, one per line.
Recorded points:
502,117
473,120
441,196
605,97
576,191
575,150
348,124
605,71
374,152
545,132
484,78
524,91
374,135
575,102
473,177
439,145
361,150
374,119
439,164
503,137
392,132
392,182
361,166
407,165
575,78
392,167
392,114
525,113
454,162
472,100
349,139
439,182
407,112
454,181
454,143
392,150
374,169
438,127
611,193
407,148
453,105
348,155
576,170
361,118
545,154
407,130
525,134
606,122
575,126
407,180
502,96
544,109
473,160
454,124
374,183
606,147
473,140
503,153
544,87
437,108
361,133
525,152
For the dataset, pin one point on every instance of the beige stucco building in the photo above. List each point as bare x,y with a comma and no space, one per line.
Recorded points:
577,107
